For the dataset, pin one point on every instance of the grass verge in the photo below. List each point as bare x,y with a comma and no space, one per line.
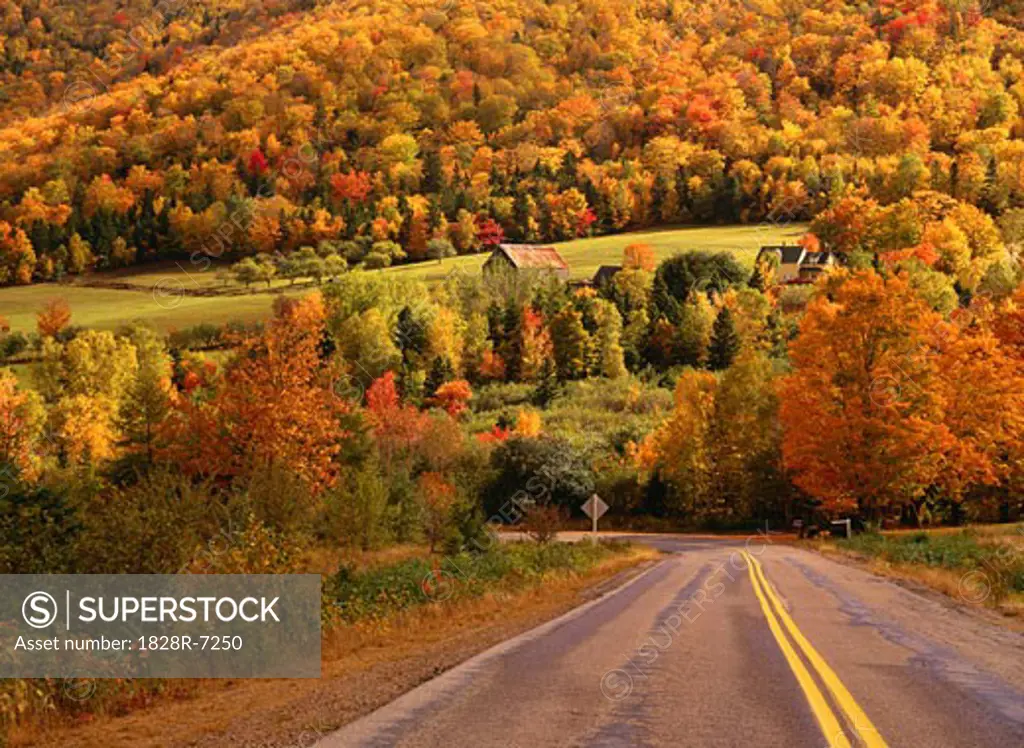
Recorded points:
978,566
366,662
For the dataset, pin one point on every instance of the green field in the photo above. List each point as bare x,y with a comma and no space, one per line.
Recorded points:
585,256
107,309
163,308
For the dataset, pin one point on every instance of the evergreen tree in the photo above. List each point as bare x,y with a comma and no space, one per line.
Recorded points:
441,371
634,338
410,334
511,349
521,214
683,193
659,194
725,342
495,324
567,173
610,356
663,302
757,280
148,400
433,175
548,386
405,231
775,334
434,216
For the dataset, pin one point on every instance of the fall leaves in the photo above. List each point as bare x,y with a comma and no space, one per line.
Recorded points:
415,127
275,404
888,407
718,449
888,401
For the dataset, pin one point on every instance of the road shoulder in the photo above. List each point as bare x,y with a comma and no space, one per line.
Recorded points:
364,668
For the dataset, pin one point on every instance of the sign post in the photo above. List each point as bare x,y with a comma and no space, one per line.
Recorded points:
594,508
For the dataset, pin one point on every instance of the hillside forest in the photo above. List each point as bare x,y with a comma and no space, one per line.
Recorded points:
385,132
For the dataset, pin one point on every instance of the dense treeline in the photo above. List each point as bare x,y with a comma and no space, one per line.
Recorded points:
57,53
397,124
379,410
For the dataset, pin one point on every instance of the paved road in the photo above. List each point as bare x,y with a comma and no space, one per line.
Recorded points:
706,649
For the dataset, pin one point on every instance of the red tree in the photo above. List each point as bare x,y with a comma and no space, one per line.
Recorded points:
490,233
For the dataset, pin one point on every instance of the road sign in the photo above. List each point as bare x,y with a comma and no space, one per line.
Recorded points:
594,508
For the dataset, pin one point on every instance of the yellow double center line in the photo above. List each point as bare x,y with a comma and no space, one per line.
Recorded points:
779,619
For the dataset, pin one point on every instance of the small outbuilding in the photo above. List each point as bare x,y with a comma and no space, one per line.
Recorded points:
527,258
605,274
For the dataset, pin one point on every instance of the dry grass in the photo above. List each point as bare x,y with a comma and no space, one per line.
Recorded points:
364,667
949,582
327,560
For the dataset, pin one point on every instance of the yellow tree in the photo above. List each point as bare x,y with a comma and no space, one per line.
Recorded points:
84,429
17,258
21,422
679,450
445,337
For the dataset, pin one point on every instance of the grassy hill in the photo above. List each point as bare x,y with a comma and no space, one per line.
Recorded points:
158,300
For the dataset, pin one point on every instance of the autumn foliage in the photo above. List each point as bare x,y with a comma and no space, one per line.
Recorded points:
453,397
416,123
889,403
21,420
639,257
275,404
53,317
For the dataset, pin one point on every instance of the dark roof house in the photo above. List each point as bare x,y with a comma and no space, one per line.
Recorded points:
796,264
605,273
527,258
788,254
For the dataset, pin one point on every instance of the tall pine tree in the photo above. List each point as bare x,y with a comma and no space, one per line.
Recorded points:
725,342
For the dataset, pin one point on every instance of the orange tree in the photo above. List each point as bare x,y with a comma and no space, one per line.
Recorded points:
889,404
274,406
53,317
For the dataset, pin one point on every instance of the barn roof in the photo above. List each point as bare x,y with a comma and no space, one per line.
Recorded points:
527,256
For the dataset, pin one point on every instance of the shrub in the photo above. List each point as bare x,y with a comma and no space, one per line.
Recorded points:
1001,563
503,395
204,335
543,521
38,529
380,592
438,249
280,499
355,510
376,261
253,549
537,470
13,345
156,526
352,251
795,298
